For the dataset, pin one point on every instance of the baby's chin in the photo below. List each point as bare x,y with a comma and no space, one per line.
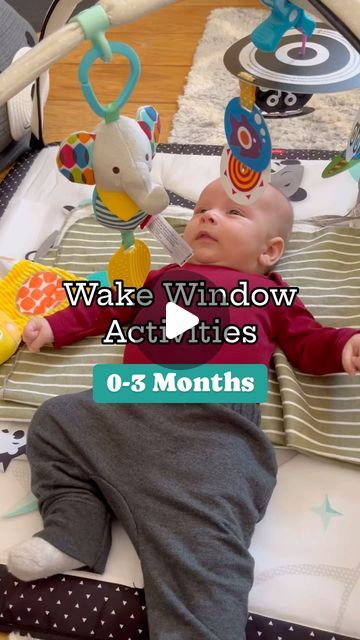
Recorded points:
208,261
205,255
203,259
206,258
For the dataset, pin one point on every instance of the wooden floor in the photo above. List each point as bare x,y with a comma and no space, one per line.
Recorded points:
165,43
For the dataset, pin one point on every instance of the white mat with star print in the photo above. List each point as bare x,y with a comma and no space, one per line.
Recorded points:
306,552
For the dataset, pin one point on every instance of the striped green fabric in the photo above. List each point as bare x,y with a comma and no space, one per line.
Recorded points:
318,415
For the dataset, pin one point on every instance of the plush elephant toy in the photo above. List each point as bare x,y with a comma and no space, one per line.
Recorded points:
117,158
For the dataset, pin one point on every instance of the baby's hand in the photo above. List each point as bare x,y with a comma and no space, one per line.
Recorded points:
36,333
350,357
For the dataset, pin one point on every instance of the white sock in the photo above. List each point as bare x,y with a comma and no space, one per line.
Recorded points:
37,558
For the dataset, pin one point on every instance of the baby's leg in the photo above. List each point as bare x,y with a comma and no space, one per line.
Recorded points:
198,509
197,573
76,520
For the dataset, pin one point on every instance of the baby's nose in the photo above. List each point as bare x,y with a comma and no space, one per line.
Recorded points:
209,216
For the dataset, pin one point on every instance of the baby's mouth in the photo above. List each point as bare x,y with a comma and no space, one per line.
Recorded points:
203,235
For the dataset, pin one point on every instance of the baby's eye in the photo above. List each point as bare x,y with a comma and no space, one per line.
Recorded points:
199,211
235,212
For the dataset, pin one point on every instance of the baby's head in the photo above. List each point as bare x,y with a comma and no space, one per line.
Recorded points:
249,238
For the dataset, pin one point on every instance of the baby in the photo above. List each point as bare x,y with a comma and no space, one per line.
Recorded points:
188,482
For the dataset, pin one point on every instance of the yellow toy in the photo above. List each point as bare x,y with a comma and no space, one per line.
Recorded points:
10,337
29,289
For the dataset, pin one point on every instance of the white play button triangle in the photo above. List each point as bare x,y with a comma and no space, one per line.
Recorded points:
178,320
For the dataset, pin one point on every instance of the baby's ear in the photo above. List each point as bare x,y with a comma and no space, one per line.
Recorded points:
273,252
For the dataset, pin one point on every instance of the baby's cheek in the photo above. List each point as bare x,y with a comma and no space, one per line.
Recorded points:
188,233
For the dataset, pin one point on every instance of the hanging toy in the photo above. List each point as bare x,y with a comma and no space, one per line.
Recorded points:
117,159
349,159
245,161
247,135
353,148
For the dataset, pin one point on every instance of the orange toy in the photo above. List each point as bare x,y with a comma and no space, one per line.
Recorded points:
29,289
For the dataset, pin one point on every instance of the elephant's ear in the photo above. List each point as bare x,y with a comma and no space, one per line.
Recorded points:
149,120
74,158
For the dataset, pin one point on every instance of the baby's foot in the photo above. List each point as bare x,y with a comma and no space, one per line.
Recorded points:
37,558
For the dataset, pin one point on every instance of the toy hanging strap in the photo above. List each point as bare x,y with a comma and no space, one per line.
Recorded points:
247,90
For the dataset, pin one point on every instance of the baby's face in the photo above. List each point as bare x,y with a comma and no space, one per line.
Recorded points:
227,234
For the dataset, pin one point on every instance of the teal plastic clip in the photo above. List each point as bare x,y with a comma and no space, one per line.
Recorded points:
109,113
94,22
284,15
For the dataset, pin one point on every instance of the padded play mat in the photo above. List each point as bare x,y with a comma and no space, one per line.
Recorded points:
307,575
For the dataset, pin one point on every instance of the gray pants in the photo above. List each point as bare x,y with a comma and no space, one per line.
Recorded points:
188,483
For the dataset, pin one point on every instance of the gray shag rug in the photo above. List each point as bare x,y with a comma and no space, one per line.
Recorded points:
210,86
18,636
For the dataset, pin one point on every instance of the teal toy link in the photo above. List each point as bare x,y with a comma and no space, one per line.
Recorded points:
110,113
284,15
94,22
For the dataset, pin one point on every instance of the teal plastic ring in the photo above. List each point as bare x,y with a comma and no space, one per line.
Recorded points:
111,111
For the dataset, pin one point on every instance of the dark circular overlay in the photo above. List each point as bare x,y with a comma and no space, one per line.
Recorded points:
329,64
182,352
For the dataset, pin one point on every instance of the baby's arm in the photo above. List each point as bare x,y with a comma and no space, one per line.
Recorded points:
72,324
75,323
310,346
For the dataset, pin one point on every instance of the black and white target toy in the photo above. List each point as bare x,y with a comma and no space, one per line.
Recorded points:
329,63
